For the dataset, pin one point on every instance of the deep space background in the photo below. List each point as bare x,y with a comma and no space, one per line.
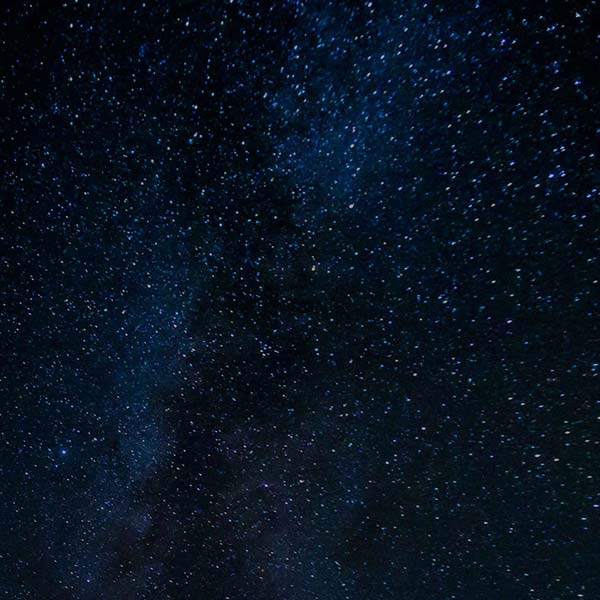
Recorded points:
299,300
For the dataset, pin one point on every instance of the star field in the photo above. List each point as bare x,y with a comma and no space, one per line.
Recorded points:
299,300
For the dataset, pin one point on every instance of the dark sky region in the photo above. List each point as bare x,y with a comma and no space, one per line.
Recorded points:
298,300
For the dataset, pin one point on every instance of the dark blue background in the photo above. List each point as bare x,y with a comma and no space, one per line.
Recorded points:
299,300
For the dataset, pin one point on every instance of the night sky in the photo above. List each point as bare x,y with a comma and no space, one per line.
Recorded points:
299,300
